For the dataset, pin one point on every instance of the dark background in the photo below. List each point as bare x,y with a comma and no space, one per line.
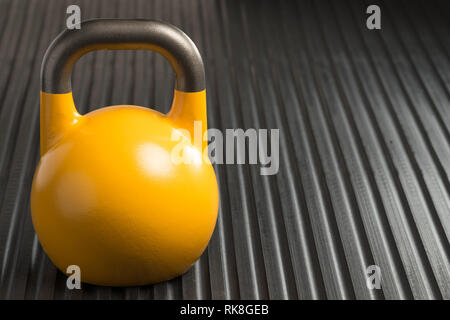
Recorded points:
364,119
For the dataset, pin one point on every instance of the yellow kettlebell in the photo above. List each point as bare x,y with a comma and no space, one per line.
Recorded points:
107,195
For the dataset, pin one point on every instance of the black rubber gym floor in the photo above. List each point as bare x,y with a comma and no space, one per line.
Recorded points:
364,119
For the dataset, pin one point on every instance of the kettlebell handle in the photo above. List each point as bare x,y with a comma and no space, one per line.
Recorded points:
119,34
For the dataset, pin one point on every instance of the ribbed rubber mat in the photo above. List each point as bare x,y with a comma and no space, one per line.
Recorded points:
364,119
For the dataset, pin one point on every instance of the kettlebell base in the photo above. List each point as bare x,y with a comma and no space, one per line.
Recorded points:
138,283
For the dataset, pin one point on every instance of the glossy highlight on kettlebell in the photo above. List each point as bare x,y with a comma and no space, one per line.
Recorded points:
106,195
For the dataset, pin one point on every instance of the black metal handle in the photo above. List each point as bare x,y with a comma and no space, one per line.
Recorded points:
118,34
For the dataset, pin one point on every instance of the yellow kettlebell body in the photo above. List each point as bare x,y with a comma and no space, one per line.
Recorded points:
110,196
